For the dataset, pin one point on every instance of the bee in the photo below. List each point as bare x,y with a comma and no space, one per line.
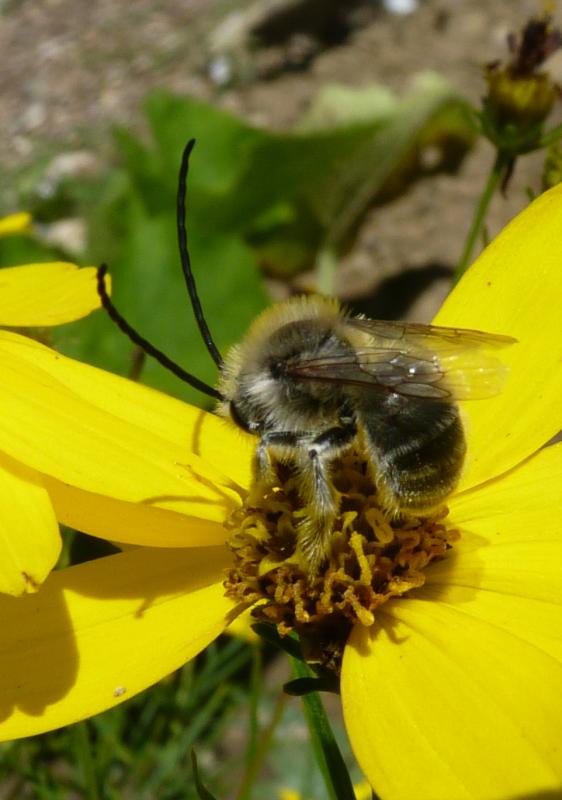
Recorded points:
311,382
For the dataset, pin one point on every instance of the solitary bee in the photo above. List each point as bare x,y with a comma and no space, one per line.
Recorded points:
311,382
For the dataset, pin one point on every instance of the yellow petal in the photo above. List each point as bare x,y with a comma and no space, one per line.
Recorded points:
29,535
15,223
513,289
46,294
525,504
130,523
100,632
507,568
439,704
533,616
227,449
362,791
55,431
241,627
217,442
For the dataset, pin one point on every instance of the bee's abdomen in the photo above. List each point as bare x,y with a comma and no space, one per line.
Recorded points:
417,447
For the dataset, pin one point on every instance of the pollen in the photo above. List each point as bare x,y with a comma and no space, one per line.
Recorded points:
375,556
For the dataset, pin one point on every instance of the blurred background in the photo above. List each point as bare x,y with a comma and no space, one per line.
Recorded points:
336,151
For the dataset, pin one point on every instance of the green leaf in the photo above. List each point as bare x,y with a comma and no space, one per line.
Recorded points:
336,104
256,199
292,194
23,249
289,644
148,289
288,194
390,158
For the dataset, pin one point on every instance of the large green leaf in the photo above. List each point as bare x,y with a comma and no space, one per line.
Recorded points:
256,198
150,292
292,194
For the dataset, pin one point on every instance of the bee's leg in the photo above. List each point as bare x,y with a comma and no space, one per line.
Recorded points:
321,497
272,445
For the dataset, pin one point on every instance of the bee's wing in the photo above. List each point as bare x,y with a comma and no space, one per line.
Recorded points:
423,361
439,339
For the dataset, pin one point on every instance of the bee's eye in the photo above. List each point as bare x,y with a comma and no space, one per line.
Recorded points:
277,368
238,418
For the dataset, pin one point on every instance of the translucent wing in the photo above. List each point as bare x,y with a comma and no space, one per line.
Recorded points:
432,337
414,360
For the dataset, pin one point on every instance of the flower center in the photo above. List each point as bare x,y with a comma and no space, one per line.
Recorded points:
374,556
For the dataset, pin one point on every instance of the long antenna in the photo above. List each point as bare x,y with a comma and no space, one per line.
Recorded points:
186,261
143,343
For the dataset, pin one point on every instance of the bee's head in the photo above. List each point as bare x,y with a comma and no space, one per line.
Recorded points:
241,414
260,383
253,391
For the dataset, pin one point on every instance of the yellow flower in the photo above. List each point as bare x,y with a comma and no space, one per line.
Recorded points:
34,295
45,294
456,690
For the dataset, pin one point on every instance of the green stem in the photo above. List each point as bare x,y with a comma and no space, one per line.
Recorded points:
328,755
496,173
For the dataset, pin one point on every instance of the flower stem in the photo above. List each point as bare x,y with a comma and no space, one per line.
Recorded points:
328,755
496,173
